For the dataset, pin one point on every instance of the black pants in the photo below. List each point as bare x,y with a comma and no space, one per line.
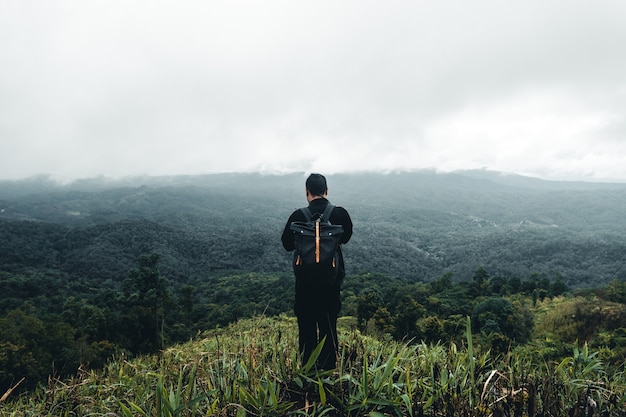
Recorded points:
317,309
312,329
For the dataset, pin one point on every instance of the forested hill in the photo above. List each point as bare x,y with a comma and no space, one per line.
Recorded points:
416,226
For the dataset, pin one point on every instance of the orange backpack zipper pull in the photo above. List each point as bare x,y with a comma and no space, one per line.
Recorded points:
317,242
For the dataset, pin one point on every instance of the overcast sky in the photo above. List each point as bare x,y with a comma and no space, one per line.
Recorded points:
115,88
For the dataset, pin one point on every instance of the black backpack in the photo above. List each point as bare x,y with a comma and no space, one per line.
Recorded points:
317,259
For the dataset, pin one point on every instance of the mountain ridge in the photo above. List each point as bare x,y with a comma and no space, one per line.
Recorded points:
42,183
416,225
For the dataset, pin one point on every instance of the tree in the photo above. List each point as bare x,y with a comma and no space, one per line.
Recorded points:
382,321
185,304
480,283
616,291
367,305
88,320
431,329
408,311
558,287
442,283
492,315
499,315
33,348
146,302
515,285
497,285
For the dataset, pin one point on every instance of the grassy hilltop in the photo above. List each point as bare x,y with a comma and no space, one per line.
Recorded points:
251,368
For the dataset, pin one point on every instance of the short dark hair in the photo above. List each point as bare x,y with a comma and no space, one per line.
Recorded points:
316,184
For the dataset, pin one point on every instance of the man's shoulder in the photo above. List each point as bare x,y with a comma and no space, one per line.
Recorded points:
341,209
297,215
340,214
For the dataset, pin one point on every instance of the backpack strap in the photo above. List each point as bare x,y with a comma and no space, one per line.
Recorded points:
307,213
324,217
327,212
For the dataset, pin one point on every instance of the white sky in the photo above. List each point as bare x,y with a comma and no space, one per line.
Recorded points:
115,88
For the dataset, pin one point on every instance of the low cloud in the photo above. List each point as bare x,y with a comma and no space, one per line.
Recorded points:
117,88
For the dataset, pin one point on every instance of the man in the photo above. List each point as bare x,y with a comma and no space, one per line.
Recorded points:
317,307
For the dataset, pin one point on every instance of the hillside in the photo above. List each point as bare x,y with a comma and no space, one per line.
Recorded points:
417,226
100,268
252,368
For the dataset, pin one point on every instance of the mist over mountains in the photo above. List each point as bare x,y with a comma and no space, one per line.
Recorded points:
413,225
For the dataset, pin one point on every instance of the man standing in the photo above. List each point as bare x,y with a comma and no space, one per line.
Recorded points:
317,305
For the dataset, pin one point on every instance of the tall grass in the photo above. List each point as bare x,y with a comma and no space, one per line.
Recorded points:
252,369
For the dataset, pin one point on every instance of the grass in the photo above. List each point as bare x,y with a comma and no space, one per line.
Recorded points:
251,368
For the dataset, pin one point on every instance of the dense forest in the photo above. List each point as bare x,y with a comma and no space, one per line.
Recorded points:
97,267
412,225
